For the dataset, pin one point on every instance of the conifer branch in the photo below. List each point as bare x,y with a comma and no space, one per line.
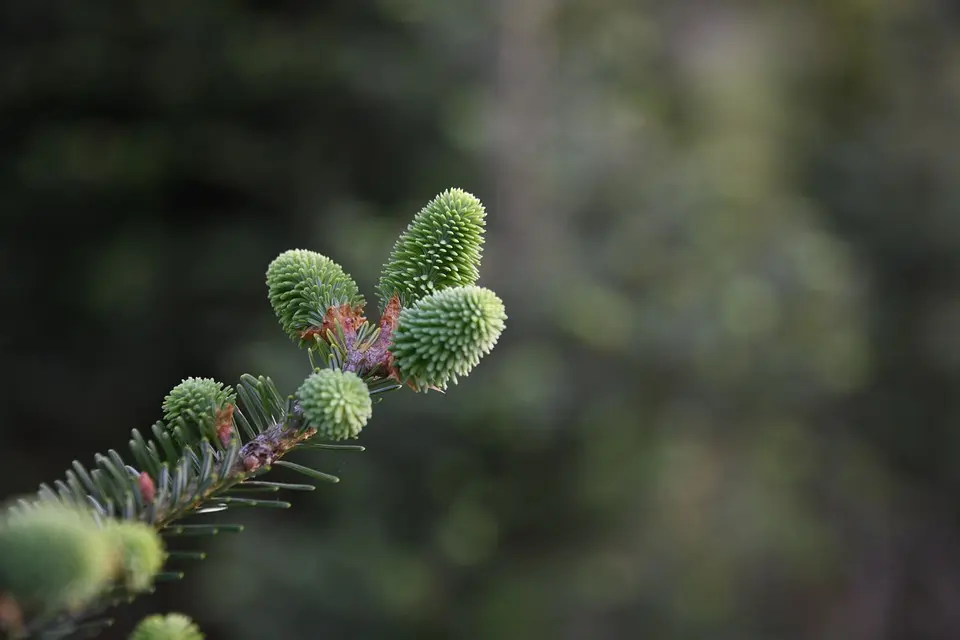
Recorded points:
98,537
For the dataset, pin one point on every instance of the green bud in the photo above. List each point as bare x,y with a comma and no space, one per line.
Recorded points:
441,248
302,285
53,556
445,334
197,406
142,553
173,626
337,403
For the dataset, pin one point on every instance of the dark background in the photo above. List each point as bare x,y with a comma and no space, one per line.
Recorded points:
727,235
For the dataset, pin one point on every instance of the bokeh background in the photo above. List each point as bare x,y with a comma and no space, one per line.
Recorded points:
727,404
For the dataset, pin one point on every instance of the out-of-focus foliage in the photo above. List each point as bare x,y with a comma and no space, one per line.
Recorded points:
53,557
728,236
173,626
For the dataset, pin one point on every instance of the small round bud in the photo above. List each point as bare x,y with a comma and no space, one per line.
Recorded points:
142,553
173,626
302,285
198,406
53,556
445,335
337,403
441,248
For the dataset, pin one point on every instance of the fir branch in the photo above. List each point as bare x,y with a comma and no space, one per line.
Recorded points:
97,535
171,504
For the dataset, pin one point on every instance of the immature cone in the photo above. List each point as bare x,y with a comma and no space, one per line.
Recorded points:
173,626
196,405
445,335
53,556
337,403
302,285
441,248
142,553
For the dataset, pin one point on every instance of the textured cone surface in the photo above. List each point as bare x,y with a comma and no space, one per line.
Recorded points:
142,553
441,248
337,403
196,402
302,285
445,335
173,626
53,556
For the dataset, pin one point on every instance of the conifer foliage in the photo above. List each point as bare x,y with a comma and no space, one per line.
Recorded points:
103,534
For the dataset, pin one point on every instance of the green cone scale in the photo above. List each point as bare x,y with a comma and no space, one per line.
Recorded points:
194,406
441,248
337,403
142,553
53,556
302,285
173,626
445,335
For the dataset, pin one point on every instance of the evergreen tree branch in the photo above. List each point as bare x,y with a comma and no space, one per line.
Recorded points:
96,538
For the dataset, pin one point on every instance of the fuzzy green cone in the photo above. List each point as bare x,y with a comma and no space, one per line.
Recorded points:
441,248
445,335
302,285
173,626
196,406
337,403
142,553
53,556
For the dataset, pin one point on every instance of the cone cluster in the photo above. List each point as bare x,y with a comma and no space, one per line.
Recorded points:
446,323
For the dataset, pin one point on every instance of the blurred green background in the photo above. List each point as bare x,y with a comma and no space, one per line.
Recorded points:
727,403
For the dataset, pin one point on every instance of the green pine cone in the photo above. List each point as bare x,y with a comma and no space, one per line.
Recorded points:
53,556
441,248
142,553
173,626
302,285
337,403
445,335
196,405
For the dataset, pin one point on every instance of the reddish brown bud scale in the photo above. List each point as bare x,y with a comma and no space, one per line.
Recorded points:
347,317
390,315
225,425
148,491
378,356
308,334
